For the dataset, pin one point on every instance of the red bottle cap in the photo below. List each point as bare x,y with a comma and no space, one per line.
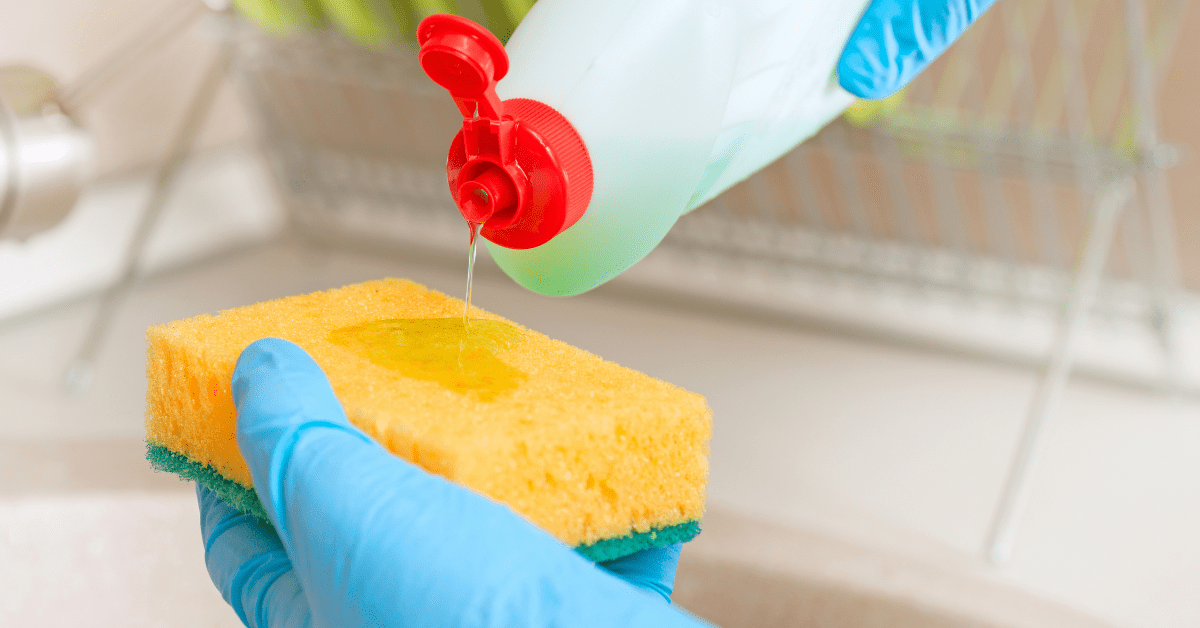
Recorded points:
518,167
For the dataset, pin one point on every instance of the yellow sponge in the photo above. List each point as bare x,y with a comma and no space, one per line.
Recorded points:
607,459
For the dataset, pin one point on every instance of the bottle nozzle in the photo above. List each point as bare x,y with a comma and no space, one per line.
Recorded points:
489,197
517,167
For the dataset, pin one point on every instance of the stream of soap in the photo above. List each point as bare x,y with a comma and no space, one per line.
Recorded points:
475,227
460,355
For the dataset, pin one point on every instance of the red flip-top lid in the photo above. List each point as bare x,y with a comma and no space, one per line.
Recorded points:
517,167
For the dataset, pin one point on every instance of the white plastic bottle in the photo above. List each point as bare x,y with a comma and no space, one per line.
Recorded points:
675,101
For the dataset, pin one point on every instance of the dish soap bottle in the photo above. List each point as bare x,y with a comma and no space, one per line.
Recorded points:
602,123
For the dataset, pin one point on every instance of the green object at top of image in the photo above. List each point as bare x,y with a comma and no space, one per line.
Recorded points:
376,23
461,357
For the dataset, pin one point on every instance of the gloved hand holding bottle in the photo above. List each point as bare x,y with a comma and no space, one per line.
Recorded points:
672,101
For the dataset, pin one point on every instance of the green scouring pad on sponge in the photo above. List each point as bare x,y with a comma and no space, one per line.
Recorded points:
608,460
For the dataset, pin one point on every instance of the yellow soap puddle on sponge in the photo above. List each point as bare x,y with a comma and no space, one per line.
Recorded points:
583,447
460,356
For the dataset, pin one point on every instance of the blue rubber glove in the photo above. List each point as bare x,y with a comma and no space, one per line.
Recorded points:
363,538
896,39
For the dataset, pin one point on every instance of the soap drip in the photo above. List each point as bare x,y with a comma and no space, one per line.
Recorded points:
475,228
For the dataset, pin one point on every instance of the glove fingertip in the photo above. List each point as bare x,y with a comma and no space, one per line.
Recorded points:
870,86
279,390
268,358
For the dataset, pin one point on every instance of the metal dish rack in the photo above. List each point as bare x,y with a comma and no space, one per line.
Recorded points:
999,206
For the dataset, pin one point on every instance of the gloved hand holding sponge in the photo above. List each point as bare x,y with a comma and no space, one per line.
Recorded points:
359,537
